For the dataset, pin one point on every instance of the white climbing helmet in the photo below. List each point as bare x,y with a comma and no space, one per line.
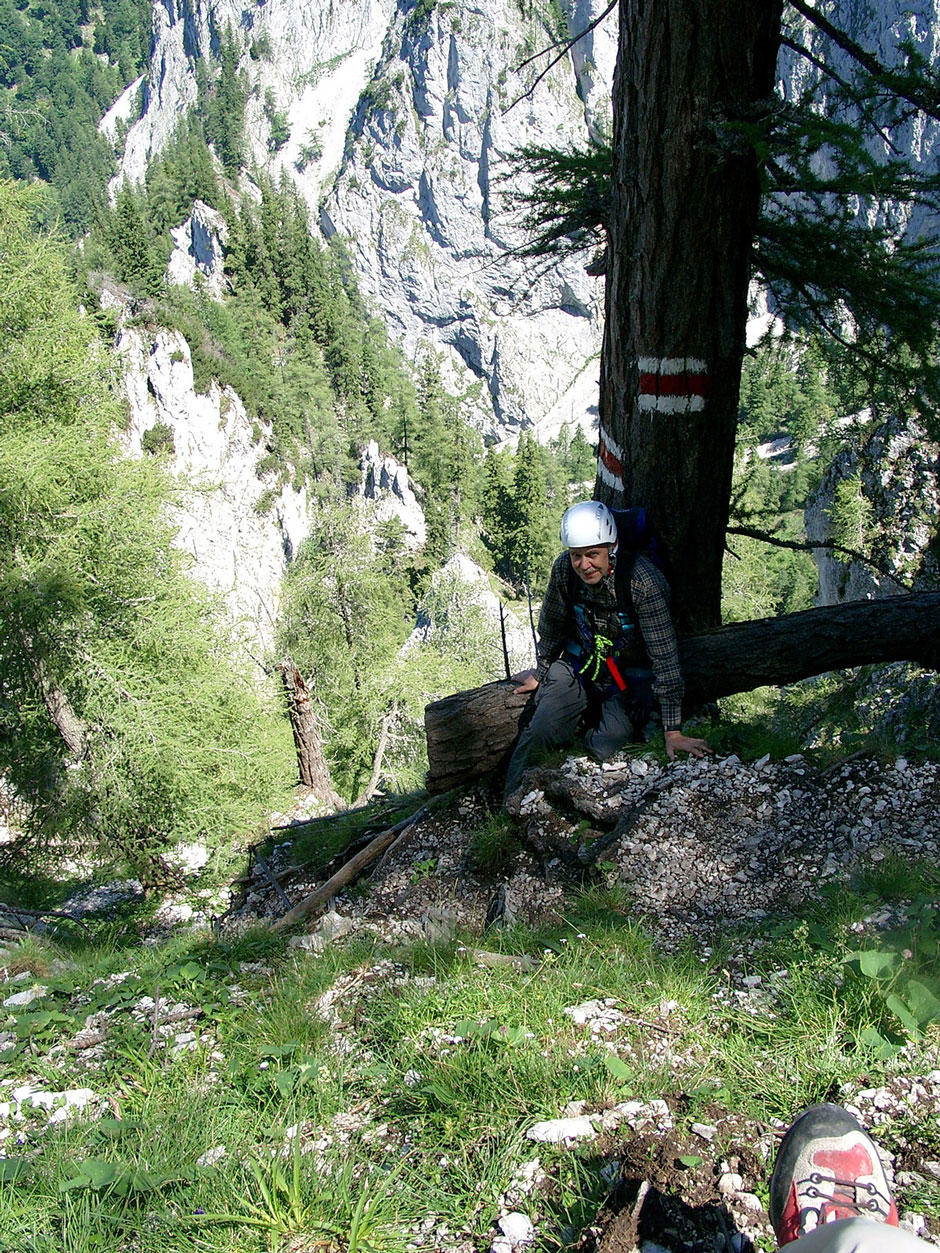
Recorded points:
587,524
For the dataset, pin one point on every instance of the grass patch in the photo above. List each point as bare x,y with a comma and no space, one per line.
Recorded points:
249,1097
494,845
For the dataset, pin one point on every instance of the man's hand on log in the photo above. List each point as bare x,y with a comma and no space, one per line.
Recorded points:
527,682
676,742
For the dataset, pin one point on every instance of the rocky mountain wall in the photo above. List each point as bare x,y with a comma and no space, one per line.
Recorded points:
899,482
240,529
403,116
400,134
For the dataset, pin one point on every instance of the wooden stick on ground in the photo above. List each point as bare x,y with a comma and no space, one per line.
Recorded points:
316,900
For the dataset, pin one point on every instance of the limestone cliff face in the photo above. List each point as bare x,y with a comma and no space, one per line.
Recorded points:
402,118
400,130
898,478
240,529
882,26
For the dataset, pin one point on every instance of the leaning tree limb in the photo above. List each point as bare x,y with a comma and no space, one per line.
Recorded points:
471,733
324,893
809,546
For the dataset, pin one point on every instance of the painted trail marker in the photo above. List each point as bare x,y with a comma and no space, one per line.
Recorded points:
673,384
609,461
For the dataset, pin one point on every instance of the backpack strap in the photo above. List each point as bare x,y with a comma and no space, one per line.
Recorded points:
623,578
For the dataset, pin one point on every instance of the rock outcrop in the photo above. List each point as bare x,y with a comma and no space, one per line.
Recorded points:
463,607
898,480
386,484
240,528
198,257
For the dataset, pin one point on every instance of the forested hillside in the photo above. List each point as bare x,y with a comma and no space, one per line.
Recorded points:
61,67
286,331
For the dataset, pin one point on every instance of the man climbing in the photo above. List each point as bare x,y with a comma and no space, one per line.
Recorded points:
606,650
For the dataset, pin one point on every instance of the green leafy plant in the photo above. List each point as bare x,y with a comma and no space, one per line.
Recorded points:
357,1211
899,979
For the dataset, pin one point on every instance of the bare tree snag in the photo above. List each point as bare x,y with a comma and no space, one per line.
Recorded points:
311,764
375,778
470,733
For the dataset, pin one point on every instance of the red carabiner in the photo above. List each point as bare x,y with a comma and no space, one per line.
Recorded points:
618,678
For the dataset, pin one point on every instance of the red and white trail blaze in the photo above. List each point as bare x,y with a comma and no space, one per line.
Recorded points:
670,385
609,458
673,384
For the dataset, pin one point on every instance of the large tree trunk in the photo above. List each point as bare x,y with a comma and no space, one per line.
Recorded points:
684,206
470,733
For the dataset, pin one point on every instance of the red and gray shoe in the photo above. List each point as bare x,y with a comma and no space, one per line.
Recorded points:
827,1168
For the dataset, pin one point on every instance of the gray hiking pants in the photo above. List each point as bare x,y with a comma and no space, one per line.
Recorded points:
560,703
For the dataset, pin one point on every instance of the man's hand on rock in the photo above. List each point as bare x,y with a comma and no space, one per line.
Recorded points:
676,742
527,682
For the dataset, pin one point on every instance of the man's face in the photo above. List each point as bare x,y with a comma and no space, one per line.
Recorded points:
590,564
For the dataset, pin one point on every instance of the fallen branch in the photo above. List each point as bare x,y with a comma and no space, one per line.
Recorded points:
19,912
313,903
272,880
592,855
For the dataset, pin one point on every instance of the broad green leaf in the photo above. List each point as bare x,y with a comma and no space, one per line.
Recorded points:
690,1160
279,1050
98,1173
33,1024
286,1081
922,1002
901,1011
443,1093
12,1169
114,1128
136,1181
619,1069
512,1035
881,1047
91,1173
873,963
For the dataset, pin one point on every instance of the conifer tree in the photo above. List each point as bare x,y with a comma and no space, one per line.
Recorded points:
224,106
111,659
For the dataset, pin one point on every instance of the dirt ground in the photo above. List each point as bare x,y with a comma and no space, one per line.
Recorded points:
675,1191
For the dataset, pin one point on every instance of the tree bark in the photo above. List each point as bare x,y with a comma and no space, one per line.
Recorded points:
684,207
470,733
67,722
313,771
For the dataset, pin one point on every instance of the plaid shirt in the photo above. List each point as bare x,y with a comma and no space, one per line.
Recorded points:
650,593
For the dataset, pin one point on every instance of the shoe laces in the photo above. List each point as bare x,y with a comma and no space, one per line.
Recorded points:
849,1196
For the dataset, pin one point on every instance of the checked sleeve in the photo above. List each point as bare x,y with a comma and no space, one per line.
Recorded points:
650,593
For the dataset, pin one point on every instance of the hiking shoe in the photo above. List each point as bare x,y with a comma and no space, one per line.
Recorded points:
827,1168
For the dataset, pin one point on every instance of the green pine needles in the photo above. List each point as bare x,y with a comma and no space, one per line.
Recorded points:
125,721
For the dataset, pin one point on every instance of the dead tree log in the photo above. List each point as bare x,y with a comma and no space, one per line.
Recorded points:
313,771
470,733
